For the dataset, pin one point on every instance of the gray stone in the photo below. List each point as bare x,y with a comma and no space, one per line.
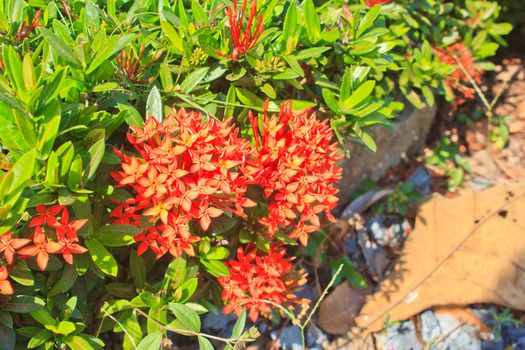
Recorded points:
315,337
289,338
407,138
430,328
402,337
456,336
421,181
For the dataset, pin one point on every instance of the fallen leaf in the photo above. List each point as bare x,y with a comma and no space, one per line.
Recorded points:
338,311
464,250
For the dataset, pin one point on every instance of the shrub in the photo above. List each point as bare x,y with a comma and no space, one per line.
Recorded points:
160,160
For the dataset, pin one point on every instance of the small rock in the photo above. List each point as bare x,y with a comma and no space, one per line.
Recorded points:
421,181
388,231
398,338
464,337
315,337
288,339
430,328
376,257
219,322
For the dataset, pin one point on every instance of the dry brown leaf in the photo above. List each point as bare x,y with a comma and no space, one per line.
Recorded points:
464,250
338,311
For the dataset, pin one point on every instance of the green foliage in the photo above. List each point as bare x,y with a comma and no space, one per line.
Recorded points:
71,86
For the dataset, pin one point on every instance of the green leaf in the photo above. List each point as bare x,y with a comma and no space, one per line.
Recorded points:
238,328
289,28
154,104
359,95
137,269
193,79
96,152
312,23
152,341
40,338
28,72
64,328
367,21
74,177
217,253
173,36
26,126
204,344
198,12
331,102
83,342
188,317
116,235
230,102
101,257
23,304
111,47
176,272
215,267
7,337
63,50
66,281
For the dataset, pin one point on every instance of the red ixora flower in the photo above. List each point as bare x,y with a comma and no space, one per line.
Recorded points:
371,3
258,277
186,169
9,245
244,36
294,162
458,79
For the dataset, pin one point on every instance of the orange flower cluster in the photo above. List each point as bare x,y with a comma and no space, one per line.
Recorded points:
257,277
244,39
294,162
187,170
458,79
49,236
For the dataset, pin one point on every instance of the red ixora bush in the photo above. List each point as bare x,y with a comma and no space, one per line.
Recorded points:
193,169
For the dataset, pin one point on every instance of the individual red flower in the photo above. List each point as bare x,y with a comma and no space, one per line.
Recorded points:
5,286
372,3
256,278
47,216
244,36
41,248
186,169
294,162
458,79
9,245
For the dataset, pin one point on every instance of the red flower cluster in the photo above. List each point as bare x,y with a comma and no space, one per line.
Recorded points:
244,39
294,162
187,170
372,3
458,80
49,236
257,277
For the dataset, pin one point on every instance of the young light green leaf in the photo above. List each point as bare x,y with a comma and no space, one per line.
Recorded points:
359,95
311,21
57,44
154,104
